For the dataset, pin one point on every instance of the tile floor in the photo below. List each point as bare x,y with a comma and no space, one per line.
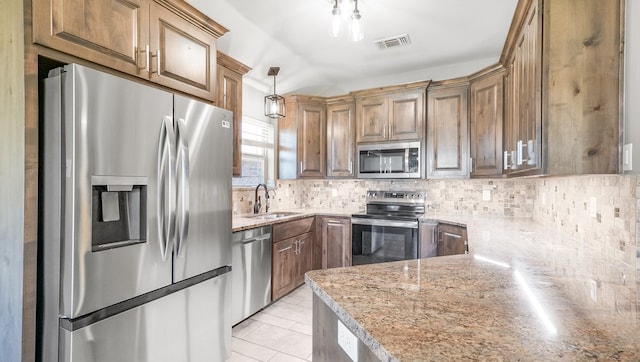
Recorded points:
279,333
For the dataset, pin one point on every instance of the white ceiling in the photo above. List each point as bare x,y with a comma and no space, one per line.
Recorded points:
449,38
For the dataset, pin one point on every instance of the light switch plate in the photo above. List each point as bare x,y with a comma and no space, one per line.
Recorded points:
627,157
348,341
486,195
593,207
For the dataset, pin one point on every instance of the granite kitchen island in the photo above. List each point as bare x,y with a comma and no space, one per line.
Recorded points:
523,293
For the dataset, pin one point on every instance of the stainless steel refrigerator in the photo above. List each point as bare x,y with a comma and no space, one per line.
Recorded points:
136,212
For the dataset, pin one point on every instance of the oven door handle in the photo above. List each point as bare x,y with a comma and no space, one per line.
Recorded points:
384,222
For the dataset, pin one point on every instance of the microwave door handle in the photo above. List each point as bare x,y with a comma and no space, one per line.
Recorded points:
182,167
165,188
406,159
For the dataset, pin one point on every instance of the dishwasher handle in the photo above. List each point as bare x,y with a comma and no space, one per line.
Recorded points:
253,240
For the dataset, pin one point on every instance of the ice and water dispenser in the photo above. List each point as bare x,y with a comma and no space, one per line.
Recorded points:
119,211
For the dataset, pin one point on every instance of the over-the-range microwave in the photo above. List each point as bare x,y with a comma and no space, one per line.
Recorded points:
390,160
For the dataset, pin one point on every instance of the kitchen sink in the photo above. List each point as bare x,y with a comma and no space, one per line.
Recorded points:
275,215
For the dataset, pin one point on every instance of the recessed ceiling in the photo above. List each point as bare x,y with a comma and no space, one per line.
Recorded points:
449,39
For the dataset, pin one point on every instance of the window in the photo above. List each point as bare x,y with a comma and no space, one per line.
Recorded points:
257,153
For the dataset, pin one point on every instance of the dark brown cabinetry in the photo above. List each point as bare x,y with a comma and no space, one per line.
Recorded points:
292,255
390,113
229,96
302,138
448,130
168,42
340,137
452,239
334,237
562,88
485,123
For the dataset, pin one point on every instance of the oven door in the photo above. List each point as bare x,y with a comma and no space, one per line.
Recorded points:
383,240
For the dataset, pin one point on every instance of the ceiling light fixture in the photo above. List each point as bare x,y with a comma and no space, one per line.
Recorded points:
336,21
355,26
274,106
355,20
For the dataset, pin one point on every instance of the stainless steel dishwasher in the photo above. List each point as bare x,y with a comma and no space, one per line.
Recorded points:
251,272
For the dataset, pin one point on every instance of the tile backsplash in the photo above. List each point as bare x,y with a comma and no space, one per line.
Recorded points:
597,211
510,198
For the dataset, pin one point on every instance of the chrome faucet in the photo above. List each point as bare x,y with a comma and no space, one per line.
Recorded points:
256,202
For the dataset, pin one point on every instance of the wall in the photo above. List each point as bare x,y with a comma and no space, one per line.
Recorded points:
632,81
12,165
510,198
598,212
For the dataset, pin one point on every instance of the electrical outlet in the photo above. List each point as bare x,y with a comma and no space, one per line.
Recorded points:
334,192
593,207
348,341
486,195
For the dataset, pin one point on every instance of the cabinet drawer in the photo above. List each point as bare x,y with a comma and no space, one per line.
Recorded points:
292,228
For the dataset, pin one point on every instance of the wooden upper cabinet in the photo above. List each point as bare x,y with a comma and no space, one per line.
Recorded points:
311,140
372,119
448,131
391,113
168,42
486,120
302,138
563,97
340,137
108,32
229,96
184,54
406,116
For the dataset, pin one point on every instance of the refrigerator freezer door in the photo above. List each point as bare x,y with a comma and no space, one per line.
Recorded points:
111,132
191,325
204,219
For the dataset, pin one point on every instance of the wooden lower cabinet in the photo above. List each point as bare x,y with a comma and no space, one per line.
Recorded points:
335,239
452,239
292,255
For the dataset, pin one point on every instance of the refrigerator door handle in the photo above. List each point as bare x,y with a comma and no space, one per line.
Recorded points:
183,187
166,185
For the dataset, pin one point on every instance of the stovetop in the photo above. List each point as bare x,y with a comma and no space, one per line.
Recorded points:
394,205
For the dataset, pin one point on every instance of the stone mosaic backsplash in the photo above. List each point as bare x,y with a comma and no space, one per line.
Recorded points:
597,211
510,198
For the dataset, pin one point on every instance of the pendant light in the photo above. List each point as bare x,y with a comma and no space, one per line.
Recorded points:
355,26
274,106
336,20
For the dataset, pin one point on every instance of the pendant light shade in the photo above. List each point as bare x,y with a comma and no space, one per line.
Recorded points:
336,20
274,105
355,26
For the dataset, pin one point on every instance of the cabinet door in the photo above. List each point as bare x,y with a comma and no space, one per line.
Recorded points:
230,97
452,239
304,259
311,140
112,33
336,242
524,124
284,267
340,139
183,55
447,133
372,115
486,126
406,116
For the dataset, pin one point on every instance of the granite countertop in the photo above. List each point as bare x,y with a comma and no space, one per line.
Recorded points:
249,221
523,293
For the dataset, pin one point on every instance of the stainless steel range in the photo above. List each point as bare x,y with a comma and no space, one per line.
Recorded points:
388,231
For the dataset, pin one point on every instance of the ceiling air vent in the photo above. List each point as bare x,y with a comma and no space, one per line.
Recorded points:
393,42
